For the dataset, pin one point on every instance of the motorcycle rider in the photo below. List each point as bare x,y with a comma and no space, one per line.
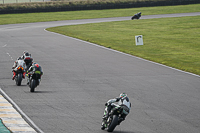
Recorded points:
27,59
137,15
123,101
35,68
17,63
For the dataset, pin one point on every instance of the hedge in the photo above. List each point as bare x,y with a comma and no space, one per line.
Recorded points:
54,6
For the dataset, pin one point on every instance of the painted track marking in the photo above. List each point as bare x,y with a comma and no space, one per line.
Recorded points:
12,119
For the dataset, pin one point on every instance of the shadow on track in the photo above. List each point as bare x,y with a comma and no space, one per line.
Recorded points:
123,132
43,91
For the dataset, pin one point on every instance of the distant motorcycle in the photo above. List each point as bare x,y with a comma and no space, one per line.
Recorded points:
113,119
136,16
19,75
34,81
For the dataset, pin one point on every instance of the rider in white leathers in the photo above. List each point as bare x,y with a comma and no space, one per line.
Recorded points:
17,63
123,101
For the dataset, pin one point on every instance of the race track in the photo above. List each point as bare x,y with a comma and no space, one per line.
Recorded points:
79,77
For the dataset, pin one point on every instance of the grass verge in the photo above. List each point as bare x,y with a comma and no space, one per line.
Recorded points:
71,15
173,42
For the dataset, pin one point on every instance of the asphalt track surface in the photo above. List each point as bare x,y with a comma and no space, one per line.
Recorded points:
79,77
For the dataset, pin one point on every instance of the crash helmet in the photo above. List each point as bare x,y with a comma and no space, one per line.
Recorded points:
123,95
36,64
27,54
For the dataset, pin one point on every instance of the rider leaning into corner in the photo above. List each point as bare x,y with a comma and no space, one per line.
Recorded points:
17,63
35,68
122,101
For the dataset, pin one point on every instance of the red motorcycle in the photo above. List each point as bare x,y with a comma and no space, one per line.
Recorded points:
19,75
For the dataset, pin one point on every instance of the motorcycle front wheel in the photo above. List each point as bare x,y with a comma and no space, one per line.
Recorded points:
113,124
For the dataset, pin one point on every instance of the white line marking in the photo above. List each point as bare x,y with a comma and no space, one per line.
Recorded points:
4,45
10,56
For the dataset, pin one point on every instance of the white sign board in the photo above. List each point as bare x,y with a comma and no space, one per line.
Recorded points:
138,40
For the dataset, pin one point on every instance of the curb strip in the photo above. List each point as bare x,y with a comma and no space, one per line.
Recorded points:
12,119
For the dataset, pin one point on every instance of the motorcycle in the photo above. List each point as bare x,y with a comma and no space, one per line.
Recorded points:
34,81
136,16
19,75
113,119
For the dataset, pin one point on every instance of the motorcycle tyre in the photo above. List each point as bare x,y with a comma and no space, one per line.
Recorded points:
32,85
135,17
113,124
19,79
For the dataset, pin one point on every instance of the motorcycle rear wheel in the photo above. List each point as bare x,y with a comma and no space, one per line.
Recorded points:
18,79
32,85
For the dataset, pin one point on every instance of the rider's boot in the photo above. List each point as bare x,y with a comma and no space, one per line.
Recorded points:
23,75
14,74
103,126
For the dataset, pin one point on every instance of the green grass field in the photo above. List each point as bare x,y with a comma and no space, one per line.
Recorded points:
173,42
70,15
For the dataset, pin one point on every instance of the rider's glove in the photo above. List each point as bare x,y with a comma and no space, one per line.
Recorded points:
118,98
107,104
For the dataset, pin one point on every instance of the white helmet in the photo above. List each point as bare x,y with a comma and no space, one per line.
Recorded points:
123,95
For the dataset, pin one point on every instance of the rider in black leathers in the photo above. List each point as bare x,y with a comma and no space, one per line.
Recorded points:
136,16
27,59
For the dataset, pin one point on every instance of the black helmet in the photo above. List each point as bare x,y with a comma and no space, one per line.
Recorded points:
27,54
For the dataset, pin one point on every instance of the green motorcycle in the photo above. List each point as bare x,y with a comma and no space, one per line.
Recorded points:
114,118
